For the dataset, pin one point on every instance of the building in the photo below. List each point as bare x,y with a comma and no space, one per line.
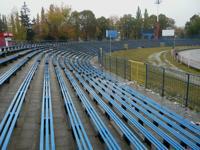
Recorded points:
6,39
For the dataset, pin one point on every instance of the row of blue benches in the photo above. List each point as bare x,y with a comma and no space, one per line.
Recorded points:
17,47
99,125
4,77
142,97
79,133
129,105
183,140
149,137
181,120
47,139
10,118
10,58
127,133
77,127
131,112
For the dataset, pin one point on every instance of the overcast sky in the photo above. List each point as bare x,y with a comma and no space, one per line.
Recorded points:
180,10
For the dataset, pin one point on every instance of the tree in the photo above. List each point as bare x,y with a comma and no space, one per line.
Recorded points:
192,27
25,13
165,23
57,21
44,29
126,24
3,23
146,21
87,24
36,27
180,32
75,25
138,24
20,29
12,23
102,26
152,21
25,21
113,20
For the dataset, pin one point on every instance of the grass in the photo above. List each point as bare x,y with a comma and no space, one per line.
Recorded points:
142,54
139,54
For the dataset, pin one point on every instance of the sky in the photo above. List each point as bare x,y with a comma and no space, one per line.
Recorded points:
180,10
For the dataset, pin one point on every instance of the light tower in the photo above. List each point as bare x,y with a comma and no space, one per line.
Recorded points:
158,2
157,28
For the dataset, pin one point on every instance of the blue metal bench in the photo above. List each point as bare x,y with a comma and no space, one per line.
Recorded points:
100,126
47,139
182,138
80,135
10,118
127,133
7,75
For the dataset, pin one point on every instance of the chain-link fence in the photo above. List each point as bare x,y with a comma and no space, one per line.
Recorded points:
176,85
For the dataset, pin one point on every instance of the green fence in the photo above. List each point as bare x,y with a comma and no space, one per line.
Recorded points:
179,86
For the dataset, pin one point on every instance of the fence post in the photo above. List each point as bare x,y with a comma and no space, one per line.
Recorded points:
105,61
146,78
102,61
131,72
100,56
124,68
116,66
187,90
163,83
110,63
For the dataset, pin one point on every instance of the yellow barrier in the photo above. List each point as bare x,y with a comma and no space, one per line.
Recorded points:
138,71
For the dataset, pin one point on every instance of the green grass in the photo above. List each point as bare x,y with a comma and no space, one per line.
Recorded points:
142,54
139,54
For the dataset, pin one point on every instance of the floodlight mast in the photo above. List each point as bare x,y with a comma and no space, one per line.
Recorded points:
158,2
157,29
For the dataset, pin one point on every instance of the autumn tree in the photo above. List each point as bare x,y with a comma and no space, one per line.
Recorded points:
126,24
102,26
3,23
36,27
61,23
87,24
74,22
26,21
138,23
146,22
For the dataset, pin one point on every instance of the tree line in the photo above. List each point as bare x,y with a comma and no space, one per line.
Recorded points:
61,23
